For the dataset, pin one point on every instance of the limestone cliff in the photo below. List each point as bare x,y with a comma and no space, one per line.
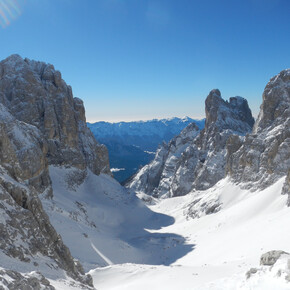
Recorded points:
264,156
195,160
41,124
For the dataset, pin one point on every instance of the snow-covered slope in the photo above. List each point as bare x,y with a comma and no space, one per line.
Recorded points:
133,144
225,245
103,224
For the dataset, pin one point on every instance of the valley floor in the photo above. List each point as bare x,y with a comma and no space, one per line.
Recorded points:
224,245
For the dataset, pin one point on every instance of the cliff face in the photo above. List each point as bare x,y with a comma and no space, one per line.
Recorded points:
35,94
264,156
196,160
156,177
27,237
41,124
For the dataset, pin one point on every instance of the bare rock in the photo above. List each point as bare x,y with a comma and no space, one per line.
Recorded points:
35,93
264,156
196,160
270,258
272,264
286,187
40,124
251,272
13,280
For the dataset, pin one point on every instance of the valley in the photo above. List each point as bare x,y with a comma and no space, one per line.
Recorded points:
210,211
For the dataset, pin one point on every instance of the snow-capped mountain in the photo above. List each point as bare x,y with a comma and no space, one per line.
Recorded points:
193,159
65,223
133,144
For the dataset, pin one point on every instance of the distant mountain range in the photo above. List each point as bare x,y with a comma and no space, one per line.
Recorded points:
131,145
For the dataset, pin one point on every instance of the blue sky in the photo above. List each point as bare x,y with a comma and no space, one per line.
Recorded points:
137,59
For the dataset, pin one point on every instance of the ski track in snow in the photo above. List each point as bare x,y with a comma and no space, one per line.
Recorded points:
108,261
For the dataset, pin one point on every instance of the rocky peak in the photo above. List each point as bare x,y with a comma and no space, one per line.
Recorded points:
212,103
240,105
264,156
234,115
196,162
36,94
276,100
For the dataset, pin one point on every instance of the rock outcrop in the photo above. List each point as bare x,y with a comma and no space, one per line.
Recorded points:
264,156
156,177
14,280
41,124
36,94
286,187
196,160
272,264
270,258
27,237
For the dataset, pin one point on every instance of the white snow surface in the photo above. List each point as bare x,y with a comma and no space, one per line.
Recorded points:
125,244
225,245
117,169
103,224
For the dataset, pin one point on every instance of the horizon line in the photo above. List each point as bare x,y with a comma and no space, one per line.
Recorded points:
112,121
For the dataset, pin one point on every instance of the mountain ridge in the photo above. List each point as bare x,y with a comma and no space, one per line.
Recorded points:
132,144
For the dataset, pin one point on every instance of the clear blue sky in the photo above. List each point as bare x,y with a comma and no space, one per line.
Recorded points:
143,59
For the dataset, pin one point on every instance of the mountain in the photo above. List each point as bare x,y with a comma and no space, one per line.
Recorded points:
62,213
236,226
131,145
193,159
264,156
41,125
65,223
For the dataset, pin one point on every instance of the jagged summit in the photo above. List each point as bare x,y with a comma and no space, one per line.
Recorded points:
212,103
276,102
196,160
264,156
228,115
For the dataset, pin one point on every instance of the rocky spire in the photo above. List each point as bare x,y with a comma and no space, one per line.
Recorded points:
264,156
234,115
276,102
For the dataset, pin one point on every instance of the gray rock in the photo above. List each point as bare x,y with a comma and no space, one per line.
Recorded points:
271,257
264,155
196,160
35,93
13,280
251,272
40,124
270,267
286,187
